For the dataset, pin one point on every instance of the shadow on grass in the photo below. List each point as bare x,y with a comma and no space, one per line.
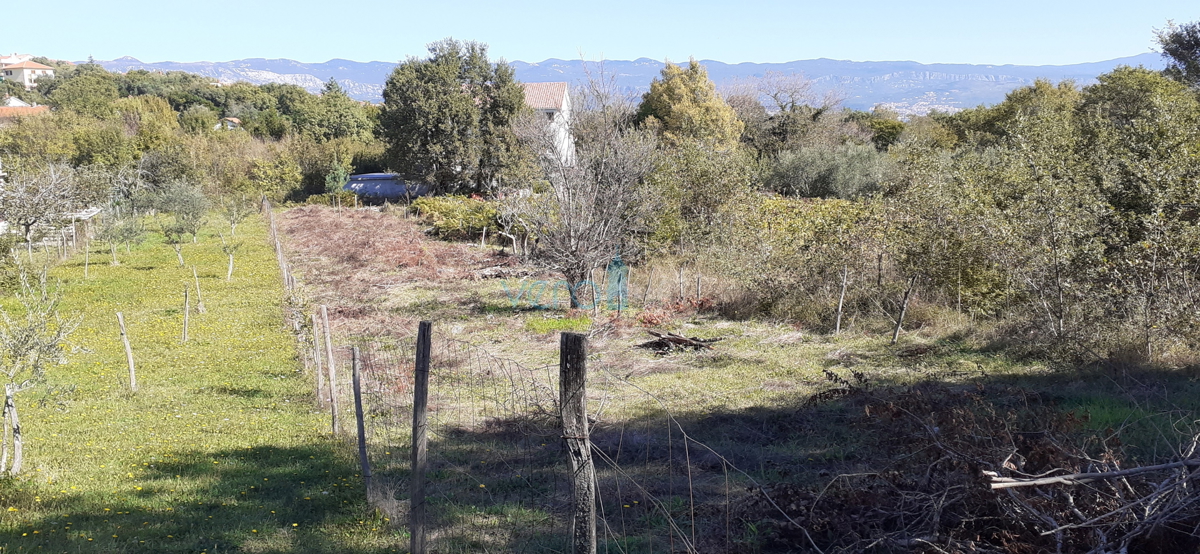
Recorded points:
253,500
502,485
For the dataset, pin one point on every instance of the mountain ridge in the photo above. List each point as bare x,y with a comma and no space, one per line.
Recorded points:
906,86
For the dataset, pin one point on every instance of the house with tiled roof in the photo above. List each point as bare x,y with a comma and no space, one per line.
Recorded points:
553,102
14,58
27,73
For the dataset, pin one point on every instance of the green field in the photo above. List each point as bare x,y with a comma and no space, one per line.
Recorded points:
221,449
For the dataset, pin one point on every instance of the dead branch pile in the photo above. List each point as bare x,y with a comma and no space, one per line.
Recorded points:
665,343
944,448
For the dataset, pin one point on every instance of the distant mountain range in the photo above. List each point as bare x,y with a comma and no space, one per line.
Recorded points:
907,87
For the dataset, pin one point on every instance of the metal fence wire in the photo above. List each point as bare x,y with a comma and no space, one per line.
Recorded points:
498,477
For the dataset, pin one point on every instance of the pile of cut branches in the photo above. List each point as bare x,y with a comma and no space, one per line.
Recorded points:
986,469
666,343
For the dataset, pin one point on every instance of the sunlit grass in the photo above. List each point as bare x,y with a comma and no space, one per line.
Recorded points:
220,449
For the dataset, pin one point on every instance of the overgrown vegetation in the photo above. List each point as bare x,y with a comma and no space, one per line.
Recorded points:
1034,260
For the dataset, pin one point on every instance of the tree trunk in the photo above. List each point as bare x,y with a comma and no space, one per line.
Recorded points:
229,275
113,248
18,445
4,440
178,253
595,297
575,282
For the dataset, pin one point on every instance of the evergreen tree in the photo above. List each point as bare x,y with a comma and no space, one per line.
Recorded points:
684,105
447,118
1181,48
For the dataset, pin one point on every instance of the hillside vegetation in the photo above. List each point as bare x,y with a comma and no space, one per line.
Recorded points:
957,332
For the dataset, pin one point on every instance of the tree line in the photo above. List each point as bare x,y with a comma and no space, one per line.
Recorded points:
1064,215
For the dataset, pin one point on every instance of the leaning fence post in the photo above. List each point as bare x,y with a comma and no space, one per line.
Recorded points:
572,386
128,353
332,367
358,414
187,310
316,326
419,438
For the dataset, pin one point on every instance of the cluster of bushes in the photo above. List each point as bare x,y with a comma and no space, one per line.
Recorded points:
1065,216
457,217
166,126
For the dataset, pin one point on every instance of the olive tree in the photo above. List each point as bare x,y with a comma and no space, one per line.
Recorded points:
31,340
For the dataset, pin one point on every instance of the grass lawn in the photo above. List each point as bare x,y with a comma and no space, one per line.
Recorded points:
221,449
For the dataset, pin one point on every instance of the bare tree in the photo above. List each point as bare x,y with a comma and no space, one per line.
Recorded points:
596,196
30,199
29,344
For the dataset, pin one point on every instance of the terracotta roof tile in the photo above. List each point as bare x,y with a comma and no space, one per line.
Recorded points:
27,65
11,112
545,96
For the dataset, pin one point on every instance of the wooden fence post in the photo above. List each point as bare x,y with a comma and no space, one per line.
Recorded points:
572,385
199,295
681,283
358,415
419,438
912,282
316,327
187,310
128,353
837,326
649,280
332,367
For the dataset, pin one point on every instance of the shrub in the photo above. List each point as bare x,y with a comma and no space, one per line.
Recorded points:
342,198
457,217
844,171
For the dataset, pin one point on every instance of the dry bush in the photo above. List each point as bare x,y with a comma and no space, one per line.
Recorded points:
927,486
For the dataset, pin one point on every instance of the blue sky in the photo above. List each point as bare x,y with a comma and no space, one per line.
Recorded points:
1016,32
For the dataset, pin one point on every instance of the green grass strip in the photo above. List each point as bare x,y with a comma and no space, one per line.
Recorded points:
221,449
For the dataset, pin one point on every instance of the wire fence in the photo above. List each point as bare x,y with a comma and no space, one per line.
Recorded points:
498,476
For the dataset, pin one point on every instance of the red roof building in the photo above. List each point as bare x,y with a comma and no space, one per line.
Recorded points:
26,73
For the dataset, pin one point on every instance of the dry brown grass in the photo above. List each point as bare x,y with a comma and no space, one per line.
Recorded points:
349,259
